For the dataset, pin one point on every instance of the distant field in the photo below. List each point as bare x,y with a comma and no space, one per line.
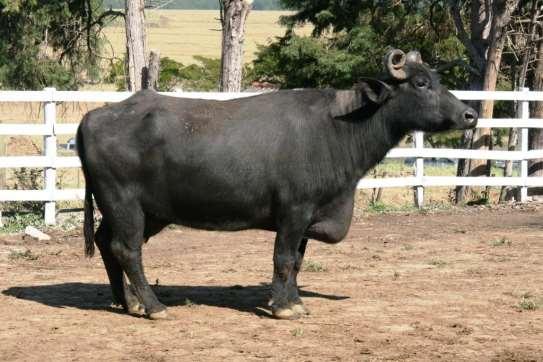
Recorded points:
182,34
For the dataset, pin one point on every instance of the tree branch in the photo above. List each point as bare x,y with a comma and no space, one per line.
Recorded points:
459,63
113,14
463,35
110,13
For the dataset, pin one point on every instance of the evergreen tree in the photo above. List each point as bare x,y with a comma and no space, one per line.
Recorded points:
350,38
49,43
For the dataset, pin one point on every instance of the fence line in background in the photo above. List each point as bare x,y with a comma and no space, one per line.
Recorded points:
50,162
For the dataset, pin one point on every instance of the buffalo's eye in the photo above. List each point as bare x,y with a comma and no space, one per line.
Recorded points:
421,82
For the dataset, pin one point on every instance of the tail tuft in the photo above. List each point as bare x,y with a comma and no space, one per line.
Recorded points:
88,228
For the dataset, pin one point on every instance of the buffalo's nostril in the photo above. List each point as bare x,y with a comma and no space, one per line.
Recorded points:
470,116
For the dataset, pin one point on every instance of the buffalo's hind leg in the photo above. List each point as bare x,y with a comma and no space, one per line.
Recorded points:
122,294
128,234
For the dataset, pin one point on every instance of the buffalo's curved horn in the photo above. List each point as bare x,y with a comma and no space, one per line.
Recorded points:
394,62
414,57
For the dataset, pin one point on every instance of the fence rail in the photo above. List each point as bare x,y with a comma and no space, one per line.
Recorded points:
50,129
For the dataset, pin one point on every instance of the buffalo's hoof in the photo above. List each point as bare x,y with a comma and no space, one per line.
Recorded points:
136,309
300,309
163,315
285,313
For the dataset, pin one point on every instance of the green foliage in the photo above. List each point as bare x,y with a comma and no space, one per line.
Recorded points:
25,179
451,139
295,62
350,39
117,73
200,77
378,207
48,43
203,76
19,221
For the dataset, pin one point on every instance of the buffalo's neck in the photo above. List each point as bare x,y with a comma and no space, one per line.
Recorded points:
370,139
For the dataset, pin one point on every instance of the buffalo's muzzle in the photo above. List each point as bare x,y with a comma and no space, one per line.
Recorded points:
470,118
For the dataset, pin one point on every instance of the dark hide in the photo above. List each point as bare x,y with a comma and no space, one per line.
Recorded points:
285,161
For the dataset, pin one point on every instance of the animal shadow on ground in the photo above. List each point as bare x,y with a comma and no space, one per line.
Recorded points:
251,299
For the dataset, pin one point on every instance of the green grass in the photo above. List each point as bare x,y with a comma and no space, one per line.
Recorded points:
18,222
438,263
398,168
503,241
382,208
189,303
313,266
22,255
529,303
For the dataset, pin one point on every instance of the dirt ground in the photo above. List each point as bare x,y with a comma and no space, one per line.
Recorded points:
457,285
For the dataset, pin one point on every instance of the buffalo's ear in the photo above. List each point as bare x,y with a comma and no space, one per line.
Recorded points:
365,96
374,90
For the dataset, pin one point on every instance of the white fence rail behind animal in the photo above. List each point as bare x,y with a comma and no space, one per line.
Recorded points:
50,161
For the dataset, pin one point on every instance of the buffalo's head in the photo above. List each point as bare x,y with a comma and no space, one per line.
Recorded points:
413,93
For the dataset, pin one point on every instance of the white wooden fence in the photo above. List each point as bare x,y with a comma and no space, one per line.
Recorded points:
50,162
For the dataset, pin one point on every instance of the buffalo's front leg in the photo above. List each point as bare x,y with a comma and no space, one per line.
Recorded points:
287,261
294,298
297,304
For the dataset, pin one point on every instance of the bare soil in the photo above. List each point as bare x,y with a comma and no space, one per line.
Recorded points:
460,285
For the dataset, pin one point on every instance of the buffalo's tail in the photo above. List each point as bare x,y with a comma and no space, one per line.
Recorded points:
88,223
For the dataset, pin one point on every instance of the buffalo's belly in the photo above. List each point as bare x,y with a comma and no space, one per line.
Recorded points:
209,212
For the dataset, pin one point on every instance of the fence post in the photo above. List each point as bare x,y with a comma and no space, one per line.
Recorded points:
50,151
524,114
419,169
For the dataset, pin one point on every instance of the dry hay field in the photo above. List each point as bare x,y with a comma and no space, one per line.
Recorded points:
181,34
461,285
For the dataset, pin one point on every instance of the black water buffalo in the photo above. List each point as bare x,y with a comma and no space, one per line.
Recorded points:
286,161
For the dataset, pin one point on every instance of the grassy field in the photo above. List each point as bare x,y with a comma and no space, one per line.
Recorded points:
182,34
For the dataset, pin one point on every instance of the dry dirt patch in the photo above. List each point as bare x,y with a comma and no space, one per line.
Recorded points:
448,286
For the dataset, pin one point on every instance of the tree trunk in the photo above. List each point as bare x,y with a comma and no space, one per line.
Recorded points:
507,192
535,167
485,45
482,137
153,74
476,44
233,17
136,47
519,81
464,165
